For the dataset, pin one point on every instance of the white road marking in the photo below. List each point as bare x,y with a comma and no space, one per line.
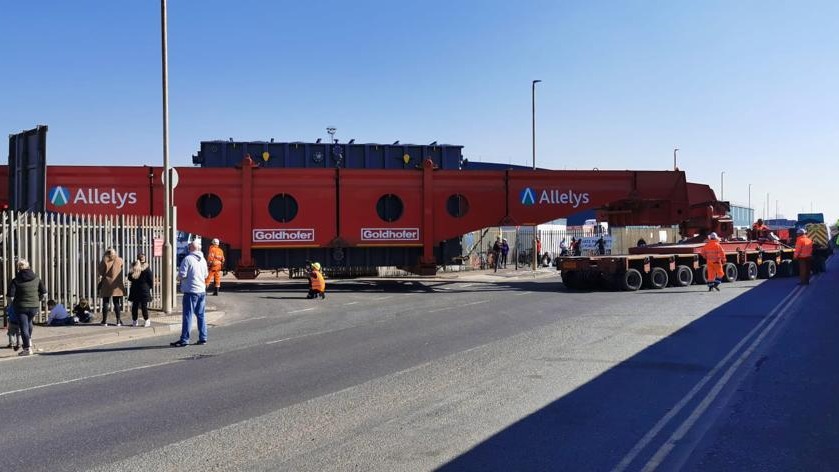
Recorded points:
301,311
691,420
350,303
440,309
652,433
245,320
476,303
105,374
383,298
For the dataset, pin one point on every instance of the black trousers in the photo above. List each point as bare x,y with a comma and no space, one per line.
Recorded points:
136,307
106,307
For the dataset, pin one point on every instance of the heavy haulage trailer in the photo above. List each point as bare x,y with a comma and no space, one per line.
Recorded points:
675,265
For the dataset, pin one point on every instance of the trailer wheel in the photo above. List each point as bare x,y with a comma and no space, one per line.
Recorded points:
700,275
785,269
631,280
569,278
748,271
682,276
657,278
767,270
730,272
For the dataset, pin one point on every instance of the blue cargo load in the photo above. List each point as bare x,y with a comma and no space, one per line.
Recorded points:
326,155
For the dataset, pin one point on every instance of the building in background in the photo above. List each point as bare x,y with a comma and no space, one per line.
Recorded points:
742,216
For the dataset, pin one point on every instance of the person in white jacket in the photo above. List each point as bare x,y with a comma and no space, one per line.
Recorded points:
191,274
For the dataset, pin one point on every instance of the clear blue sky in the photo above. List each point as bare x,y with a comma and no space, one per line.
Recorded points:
745,87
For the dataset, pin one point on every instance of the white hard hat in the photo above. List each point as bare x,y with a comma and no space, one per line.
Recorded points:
215,241
801,231
713,236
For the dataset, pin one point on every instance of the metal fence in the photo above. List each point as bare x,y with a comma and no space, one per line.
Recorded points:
65,250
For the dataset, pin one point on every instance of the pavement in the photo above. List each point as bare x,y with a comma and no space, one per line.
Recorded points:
85,335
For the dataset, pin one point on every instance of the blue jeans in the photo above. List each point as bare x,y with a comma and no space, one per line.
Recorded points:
194,304
26,317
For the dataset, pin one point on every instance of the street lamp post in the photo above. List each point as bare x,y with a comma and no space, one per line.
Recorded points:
722,185
533,135
168,245
752,217
675,150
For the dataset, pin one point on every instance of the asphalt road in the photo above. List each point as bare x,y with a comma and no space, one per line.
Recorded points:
485,373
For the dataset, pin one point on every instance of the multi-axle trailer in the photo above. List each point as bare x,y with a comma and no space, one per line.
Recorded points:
676,265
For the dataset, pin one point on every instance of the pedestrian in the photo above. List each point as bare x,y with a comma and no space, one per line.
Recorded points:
215,263
577,250
505,250
496,252
192,274
58,315
641,243
804,255
13,328
601,246
563,248
26,291
140,293
82,311
538,248
714,260
111,285
317,284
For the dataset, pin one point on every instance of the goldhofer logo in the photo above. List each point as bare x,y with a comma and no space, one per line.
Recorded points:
283,235
390,234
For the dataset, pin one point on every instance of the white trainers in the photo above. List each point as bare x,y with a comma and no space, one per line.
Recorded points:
119,323
147,323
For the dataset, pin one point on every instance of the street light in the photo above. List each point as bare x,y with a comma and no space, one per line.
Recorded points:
752,216
168,241
533,130
675,150
722,185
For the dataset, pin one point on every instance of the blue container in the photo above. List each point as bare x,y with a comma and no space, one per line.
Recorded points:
325,155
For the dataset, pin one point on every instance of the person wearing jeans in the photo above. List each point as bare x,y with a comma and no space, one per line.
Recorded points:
26,291
192,273
111,284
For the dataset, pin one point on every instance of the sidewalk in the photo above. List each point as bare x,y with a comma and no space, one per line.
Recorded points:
80,336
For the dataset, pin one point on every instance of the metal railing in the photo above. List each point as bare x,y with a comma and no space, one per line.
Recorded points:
65,250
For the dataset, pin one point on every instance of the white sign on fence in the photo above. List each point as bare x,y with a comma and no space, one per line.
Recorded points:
589,244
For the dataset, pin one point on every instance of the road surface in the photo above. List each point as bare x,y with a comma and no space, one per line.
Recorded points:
479,373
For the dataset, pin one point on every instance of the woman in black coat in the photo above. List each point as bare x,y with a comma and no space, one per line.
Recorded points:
140,293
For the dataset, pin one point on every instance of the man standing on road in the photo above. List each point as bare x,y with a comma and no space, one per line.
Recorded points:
804,254
215,261
192,273
714,260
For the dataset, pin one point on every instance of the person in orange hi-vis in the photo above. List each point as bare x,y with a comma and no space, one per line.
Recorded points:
317,284
215,262
804,255
715,260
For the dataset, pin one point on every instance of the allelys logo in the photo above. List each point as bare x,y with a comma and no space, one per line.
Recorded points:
531,197
60,196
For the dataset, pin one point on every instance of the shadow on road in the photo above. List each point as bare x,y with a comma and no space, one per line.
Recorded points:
597,424
103,349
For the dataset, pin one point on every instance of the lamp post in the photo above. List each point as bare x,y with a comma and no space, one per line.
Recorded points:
722,185
675,150
533,131
751,216
168,245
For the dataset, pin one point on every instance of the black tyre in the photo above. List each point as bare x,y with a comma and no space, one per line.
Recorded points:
785,269
631,280
682,276
767,270
748,271
657,278
700,275
730,272
569,278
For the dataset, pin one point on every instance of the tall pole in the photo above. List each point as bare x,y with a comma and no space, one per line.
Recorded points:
722,185
168,265
752,216
675,150
533,130
766,211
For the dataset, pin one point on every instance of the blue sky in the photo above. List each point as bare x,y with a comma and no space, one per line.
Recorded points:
746,87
